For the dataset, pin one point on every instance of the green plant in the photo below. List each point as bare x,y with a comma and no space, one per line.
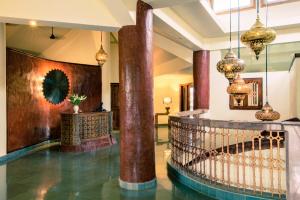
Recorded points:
75,99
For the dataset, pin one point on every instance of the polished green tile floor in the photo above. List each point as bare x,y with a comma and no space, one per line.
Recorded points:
51,174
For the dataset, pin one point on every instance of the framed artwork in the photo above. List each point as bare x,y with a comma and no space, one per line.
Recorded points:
254,100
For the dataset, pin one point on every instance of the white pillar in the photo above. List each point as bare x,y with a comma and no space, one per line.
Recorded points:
3,134
114,52
297,69
106,72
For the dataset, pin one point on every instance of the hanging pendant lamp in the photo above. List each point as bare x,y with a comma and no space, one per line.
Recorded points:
267,113
258,36
230,65
101,55
239,89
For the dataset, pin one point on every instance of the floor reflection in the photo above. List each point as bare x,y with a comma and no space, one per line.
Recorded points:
51,174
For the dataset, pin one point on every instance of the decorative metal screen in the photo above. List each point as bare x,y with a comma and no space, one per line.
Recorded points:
85,126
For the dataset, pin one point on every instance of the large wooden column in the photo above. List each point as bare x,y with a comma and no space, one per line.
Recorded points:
201,79
137,156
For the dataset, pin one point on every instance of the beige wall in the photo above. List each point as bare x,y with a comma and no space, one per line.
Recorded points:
295,89
219,102
2,90
168,86
298,87
114,56
279,93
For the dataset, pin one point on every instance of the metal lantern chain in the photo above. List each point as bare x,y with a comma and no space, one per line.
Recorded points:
239,89
267,113
230,65
258,36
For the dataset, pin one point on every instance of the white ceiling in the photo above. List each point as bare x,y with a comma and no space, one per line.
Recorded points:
33,40
169,32
199,19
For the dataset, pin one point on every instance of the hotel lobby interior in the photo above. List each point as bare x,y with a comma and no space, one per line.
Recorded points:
149,99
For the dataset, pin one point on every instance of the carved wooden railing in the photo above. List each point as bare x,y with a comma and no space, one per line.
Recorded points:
243,156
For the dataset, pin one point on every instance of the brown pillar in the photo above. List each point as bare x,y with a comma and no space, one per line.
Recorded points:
137,158
201,79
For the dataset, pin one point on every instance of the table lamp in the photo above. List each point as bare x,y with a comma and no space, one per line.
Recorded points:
167,101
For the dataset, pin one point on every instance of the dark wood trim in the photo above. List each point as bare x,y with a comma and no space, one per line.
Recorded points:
187,87
296,55
115,106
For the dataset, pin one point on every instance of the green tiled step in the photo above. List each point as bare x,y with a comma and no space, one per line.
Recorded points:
215,191
27,150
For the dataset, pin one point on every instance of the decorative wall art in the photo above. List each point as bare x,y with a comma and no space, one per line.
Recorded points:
254,100
31,118
55,86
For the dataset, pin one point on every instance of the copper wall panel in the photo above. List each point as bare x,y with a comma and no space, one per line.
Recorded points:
137,157
201,61
30,117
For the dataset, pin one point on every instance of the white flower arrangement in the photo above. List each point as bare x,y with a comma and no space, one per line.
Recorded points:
75,99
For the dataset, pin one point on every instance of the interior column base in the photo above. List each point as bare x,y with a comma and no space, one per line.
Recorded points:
137,186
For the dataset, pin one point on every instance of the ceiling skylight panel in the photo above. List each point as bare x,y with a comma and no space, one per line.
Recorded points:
220,6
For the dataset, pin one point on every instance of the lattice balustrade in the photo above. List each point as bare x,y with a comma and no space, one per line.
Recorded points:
248,157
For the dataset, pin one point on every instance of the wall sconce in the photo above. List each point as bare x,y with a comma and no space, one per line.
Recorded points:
167,101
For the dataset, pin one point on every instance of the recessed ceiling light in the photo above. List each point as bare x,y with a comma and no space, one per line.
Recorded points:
32,23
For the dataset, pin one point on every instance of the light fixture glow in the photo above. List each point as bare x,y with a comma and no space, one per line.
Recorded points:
167,101
33,23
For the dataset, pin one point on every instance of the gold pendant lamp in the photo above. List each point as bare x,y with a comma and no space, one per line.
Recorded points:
239,89
101,55
258,36
230,65
267,113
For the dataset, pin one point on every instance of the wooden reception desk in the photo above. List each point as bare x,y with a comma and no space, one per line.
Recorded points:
86,131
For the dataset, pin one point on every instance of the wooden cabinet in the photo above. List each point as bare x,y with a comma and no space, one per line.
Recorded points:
86,131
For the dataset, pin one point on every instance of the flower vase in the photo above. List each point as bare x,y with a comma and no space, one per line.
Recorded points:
76,109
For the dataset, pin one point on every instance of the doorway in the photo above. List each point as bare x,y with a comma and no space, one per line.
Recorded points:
115,107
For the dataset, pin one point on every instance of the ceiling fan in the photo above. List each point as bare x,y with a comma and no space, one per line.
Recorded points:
52,36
